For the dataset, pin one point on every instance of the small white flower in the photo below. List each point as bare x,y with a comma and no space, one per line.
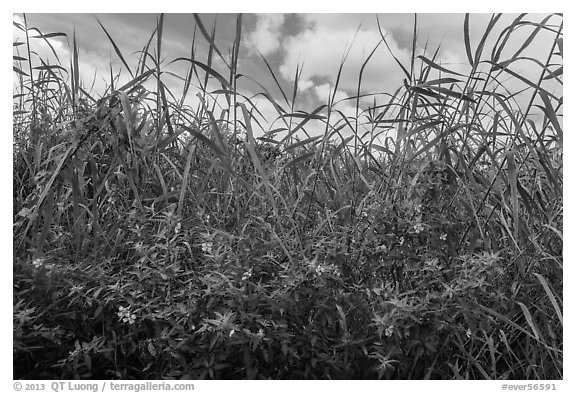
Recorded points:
177,228
260,333
139,247
401,241
125,315
418,228
247,275
443,237
389,331
468,333
231,333
38,262
207,247
76,289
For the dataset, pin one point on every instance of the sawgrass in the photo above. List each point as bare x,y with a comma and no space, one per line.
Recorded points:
436,253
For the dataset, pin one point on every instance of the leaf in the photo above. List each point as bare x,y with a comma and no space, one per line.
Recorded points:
343,324
151,349
438,67
390,50
49,35
198,135
530,321
250,145
209,70
116,49
554,74
209,38
97,312
50,67
467,38
512,181
19,71
298,159
307,117
303,142
136,81
551,115
551,296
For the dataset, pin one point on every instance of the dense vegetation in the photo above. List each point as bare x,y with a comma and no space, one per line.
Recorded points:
158,239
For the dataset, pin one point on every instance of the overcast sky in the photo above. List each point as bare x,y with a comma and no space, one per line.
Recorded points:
316,42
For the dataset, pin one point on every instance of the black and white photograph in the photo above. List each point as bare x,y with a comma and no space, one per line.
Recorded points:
287,196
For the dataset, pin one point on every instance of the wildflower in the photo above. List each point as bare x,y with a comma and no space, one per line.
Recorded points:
177,228
401,241
207,247
468,333
125,315
418,228
139,247
336,271
443,237
38,262
389,331
131,318
260,333
76,289
247,275
231,333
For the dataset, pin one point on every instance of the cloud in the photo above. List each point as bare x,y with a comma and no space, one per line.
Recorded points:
325,91
89,63
320,48
266,36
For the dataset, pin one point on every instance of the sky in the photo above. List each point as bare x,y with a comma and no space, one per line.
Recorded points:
313,43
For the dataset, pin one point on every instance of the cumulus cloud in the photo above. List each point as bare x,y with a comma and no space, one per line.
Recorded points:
266,36
323,46
325,92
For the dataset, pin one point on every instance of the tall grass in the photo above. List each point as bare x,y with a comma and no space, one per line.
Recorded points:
155,239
